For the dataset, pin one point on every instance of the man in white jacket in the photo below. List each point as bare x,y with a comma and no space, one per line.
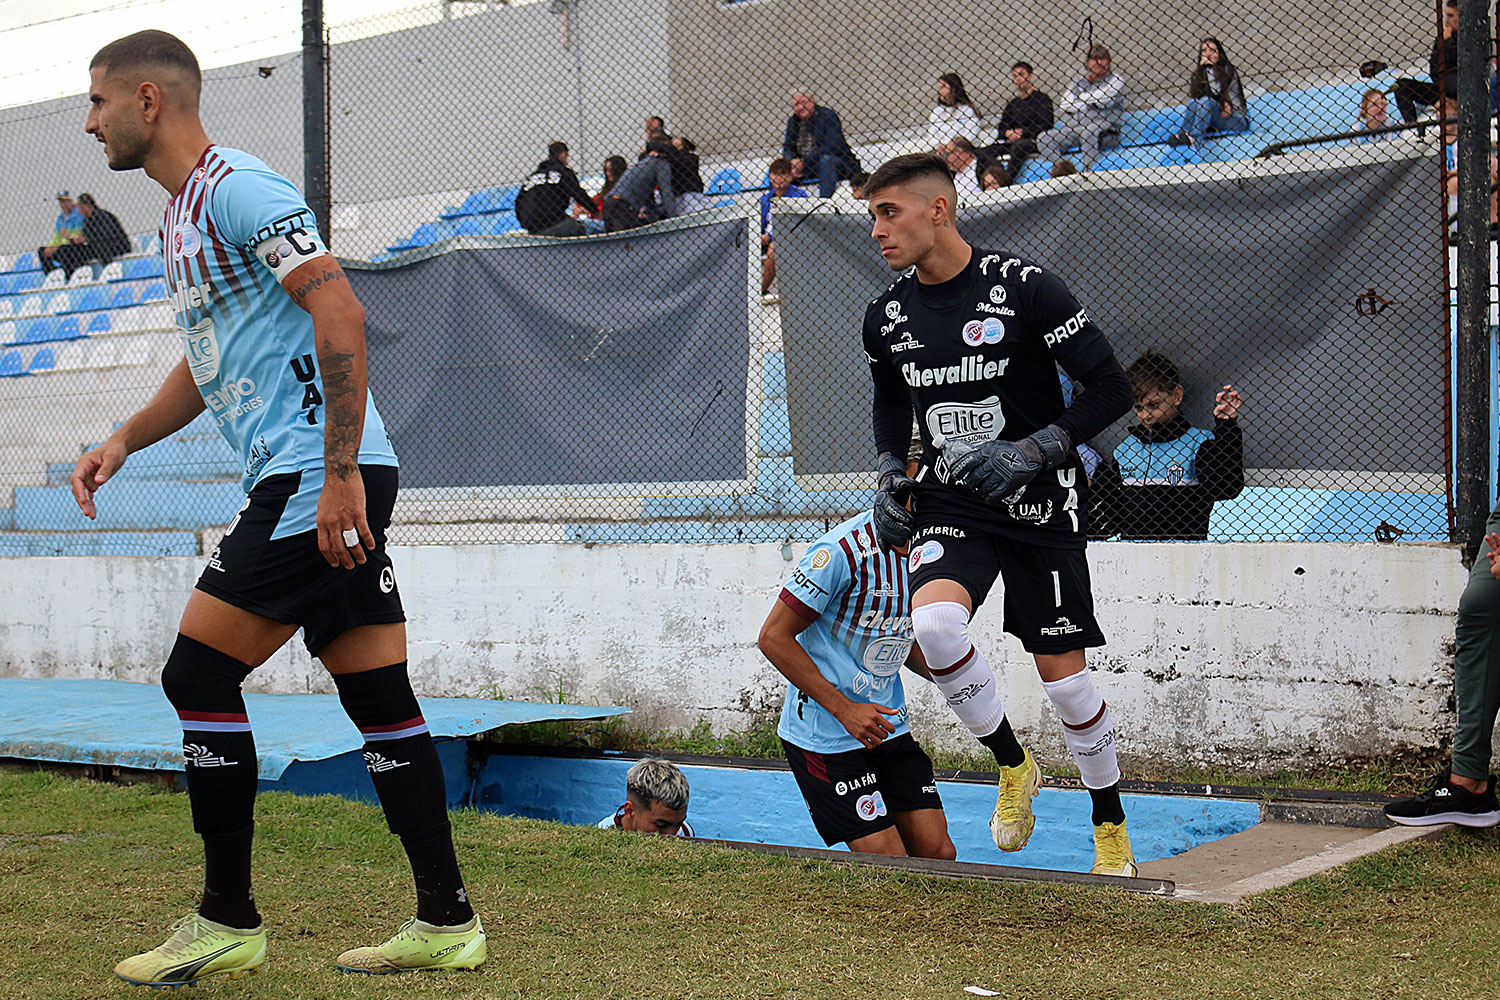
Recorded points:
1089,113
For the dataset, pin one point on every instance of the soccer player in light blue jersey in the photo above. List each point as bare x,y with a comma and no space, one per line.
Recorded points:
275,351
840,632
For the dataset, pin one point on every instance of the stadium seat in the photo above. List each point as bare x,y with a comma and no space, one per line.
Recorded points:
1160,126
41,361
444,229
60,303
475,204
113,271
471,226
68,328
38,330
7,306
123,298
1112,160
31,305
26,262
143,267
503,199
7,332
82,276
88,300
98,323
726,181
10,364
54,279
499,225
1180,155
1034,170
153,292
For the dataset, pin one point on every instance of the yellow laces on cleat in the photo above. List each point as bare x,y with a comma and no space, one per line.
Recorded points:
1112,853
420,945
197,948
1012,821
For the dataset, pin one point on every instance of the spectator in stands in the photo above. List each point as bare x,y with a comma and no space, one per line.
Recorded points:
857,184
542,203
994,177
1167,474
814,143
1442,65
613,169
1450,184
687,180
1216,100
966,163
1092,110
1026,116
633,200
954,115
1063,168
1372,117
656,800
102,239
656,127
780,173
69,224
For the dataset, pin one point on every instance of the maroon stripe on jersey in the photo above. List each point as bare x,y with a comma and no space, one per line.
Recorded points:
945,671
848,594
815,765
803,611
221,253
1103,707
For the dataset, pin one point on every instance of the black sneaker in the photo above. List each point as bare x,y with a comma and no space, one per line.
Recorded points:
1446,802
1179,139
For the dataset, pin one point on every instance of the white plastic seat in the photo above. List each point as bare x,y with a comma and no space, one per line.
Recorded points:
54,279
7,333
113,271
31,305
7,307
59,303
82,276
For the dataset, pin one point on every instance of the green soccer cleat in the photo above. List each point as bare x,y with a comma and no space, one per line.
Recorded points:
420,945
1112,853
197,948
1012,822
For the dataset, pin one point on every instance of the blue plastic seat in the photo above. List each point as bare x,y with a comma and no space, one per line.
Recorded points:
39,330
498,225
91,300
68,328
26,262
144,267
123,298
153,292
43,360
1112,160
474,204
726,181
29,281
471,225
98,323
1180,155
503,199
10,364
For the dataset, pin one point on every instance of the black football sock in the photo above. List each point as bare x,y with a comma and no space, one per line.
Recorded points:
1004,745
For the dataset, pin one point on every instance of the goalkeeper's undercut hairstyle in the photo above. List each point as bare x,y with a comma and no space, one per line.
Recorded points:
150,50
656,780
1152,372
908,168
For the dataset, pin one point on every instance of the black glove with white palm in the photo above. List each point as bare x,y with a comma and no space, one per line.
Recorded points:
893,522
997,469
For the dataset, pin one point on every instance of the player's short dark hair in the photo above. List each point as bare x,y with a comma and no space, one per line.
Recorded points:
556,149
149,49
1152,372
1022,64
905,169
780,165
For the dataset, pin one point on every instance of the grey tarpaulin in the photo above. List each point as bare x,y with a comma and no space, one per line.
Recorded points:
1347,383
550,362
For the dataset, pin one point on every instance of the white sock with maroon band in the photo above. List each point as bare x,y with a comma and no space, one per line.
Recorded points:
959,670
1088,729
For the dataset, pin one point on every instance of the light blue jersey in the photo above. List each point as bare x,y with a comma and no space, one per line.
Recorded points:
235,231
859,604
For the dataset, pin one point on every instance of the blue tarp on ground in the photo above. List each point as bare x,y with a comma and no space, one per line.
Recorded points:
131,725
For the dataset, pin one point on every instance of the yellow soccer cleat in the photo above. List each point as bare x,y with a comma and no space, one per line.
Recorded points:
1112,854
1012,821
197,948
420,945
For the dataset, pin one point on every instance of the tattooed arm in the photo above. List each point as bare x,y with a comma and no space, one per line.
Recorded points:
320,287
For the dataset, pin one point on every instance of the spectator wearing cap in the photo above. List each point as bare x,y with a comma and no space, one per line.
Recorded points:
656,800
102,239
69,225
814,143
1091,111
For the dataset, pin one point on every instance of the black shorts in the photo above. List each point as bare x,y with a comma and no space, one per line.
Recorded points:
287,579
1049,602
858,792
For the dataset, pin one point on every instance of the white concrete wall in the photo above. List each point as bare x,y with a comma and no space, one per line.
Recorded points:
1250,654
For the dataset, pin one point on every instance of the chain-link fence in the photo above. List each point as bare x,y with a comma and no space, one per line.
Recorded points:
1253,203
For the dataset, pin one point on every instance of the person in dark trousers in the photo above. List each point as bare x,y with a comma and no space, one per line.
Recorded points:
103,238
631,202
1442,65
814,142
1464,793
1167,474
542,204
1026,116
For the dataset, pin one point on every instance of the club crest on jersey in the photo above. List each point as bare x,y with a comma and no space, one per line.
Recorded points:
925,553
997,294
973,333
892,310
200,173
870,806
186,241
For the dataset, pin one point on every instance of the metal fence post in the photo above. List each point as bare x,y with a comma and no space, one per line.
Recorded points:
315,116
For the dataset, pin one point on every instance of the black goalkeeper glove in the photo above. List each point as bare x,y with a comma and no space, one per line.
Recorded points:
997,469
893,522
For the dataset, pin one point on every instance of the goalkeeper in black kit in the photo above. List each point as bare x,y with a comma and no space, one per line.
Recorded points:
970,339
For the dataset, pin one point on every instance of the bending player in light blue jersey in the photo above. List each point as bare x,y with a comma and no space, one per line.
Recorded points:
275,350
840,633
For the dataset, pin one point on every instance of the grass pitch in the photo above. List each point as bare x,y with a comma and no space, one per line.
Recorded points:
90,872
